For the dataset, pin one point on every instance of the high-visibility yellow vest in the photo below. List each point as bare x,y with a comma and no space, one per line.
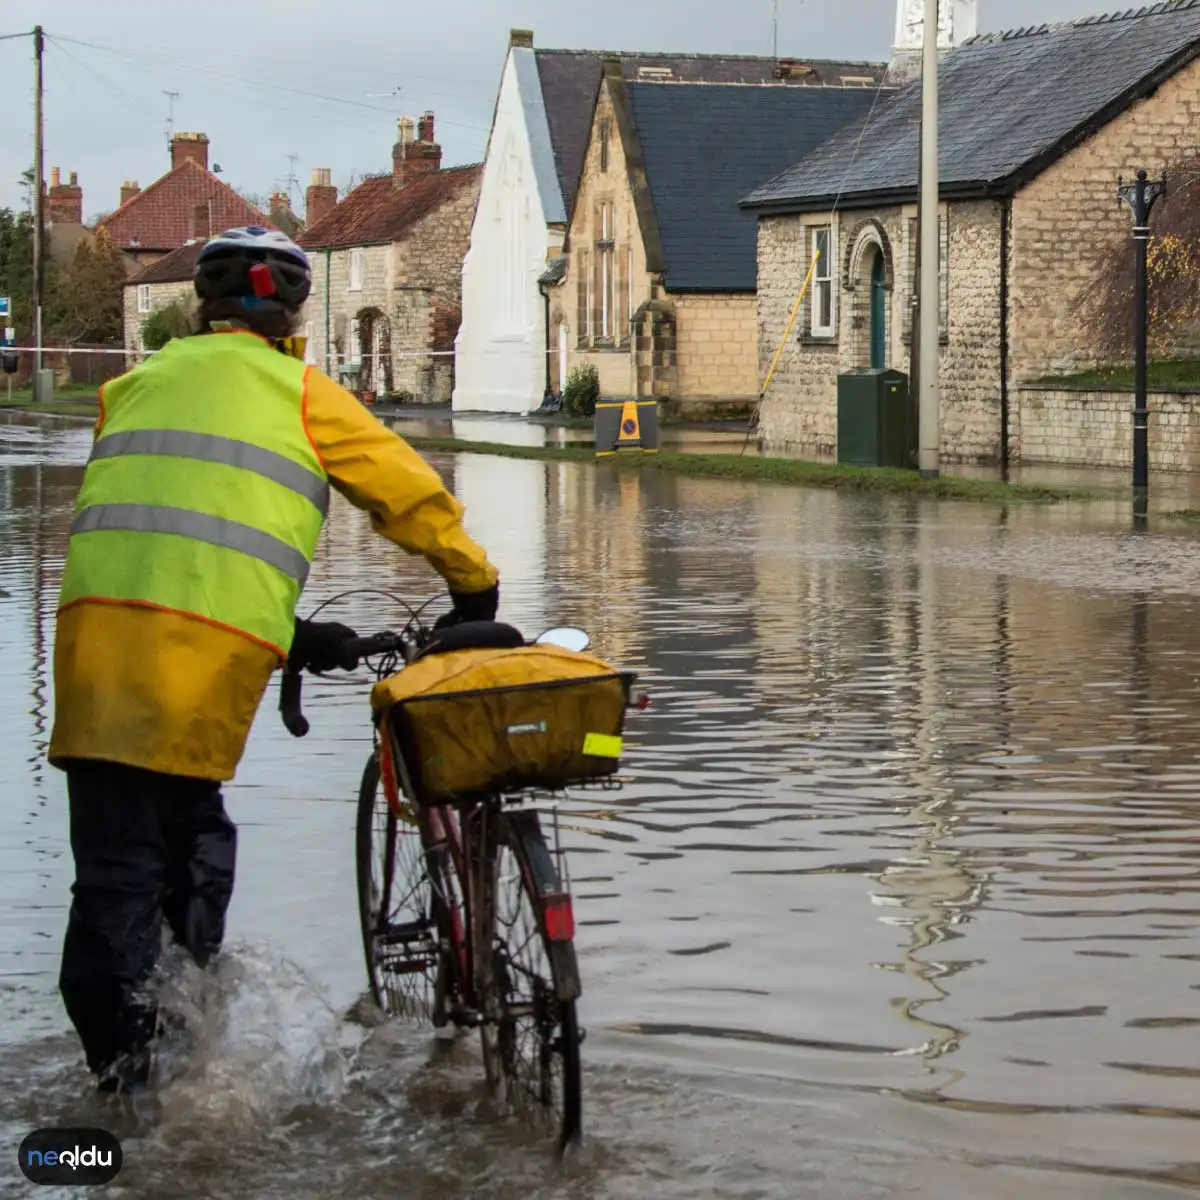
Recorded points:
203,494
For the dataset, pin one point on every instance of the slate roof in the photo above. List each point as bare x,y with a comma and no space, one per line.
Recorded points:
161,216
1009,104
705,146
176,267
377,213
570,80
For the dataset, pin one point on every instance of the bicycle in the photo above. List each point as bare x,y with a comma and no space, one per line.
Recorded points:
465,908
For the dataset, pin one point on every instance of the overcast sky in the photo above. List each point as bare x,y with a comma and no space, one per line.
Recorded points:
233,66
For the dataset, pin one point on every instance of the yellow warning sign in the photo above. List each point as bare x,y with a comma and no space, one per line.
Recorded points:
602,745
631,429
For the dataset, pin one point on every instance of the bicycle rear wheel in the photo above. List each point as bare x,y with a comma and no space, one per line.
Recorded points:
534,982
395,904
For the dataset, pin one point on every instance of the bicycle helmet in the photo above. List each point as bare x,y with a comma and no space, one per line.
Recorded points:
260,267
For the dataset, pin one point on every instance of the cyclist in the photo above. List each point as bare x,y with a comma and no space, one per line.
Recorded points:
199,513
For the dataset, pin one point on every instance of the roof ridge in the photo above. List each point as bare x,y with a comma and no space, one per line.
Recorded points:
713,55
1129,14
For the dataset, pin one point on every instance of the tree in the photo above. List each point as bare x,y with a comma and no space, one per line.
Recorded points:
90,309
173,320
1173,271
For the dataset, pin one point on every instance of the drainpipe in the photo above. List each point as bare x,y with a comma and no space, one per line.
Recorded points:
548,394
1005,221
328,256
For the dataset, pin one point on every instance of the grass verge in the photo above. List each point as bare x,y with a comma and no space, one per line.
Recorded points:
777,470
82,407
1164,376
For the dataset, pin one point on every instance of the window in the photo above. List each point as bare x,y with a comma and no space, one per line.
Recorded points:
607,285
143,297
822,306
356,270
583,296
605,136
943,276
356,351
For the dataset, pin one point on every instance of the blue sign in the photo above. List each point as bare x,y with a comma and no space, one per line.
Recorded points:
5,307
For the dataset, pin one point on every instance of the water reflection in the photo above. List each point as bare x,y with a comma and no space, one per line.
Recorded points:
913,818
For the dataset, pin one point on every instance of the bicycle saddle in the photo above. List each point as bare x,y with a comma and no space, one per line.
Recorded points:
473,635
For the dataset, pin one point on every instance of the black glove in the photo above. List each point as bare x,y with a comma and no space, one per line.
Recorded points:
471,606
321,646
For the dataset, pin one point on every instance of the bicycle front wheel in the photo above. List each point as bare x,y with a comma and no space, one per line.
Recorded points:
395,903
534,1043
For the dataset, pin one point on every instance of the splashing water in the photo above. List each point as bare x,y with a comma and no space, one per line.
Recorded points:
247,1040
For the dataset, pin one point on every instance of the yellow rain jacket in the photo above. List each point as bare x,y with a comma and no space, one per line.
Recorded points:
157,689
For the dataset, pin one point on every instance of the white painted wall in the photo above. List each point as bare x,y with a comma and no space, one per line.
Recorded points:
501,347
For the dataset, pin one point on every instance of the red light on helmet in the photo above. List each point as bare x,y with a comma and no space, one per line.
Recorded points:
261,281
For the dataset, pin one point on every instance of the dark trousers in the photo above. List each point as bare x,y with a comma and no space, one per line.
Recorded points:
147,847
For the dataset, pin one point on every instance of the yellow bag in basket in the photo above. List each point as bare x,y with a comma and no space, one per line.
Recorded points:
481,721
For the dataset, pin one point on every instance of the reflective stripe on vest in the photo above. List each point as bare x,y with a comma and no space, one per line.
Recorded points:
216,531
211,447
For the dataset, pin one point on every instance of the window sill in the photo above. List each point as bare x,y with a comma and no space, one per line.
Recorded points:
818,340
943,339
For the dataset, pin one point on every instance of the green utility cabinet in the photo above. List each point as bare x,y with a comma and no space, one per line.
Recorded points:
872,419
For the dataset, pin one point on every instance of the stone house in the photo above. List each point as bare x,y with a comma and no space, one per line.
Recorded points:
1027,210
387,271
656,289
539,138
188,203
154,287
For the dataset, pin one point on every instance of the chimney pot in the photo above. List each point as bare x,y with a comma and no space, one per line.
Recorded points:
54,177
521,37
74,178
129,189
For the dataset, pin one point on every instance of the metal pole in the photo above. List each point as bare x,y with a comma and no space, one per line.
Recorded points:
1141,196
39,269
930,404
1141,410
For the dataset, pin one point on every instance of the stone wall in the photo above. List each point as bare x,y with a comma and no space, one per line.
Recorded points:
161,294
1068,216
716,345
405,281
1095,429
799,413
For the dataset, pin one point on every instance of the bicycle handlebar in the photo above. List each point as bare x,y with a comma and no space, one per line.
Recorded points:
291,687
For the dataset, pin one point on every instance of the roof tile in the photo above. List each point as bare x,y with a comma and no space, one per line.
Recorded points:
377,213
571,78
160,218
706,146
1055,80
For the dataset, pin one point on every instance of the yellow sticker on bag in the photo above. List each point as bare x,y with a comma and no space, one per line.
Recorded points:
602,745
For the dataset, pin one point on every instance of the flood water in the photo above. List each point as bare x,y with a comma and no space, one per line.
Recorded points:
902,898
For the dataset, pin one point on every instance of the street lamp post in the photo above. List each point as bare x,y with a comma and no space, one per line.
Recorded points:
1141,196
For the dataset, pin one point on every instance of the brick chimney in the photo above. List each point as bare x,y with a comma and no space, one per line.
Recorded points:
189,145
321,198
64,200
129,189
279,209
522,38
412,159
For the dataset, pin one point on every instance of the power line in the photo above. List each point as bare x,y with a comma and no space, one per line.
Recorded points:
185,64
8,37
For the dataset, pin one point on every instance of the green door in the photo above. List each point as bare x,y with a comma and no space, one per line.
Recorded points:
878,298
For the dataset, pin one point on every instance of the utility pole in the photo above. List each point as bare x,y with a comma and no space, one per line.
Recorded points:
775,30
1141,196
39,267
930,403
